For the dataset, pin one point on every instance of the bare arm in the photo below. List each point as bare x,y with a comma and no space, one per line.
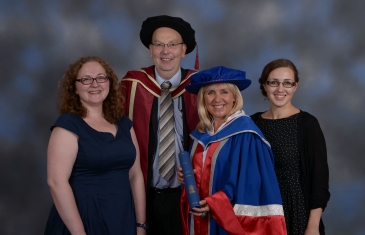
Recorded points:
61,156
313,222
138,188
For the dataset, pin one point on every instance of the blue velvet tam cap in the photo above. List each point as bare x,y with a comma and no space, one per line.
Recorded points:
218,74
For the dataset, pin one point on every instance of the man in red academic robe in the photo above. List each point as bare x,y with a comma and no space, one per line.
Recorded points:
169,39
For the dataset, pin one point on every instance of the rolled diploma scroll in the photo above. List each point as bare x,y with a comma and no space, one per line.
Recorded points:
189,179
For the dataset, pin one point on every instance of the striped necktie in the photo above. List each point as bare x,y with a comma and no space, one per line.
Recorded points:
166,161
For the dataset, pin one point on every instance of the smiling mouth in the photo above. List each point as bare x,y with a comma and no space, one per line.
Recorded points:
218,106
280,96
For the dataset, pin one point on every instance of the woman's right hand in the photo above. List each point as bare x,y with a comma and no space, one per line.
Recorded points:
180,175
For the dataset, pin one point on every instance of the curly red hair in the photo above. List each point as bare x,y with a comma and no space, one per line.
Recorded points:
70,101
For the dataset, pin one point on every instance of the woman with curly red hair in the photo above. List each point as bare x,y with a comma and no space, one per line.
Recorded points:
93,167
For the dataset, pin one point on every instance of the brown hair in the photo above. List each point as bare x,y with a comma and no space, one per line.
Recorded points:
69,101
278,63
205,118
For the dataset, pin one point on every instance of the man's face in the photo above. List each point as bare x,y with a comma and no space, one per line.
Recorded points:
167,59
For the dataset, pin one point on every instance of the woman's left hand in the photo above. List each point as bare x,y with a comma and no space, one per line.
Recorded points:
203,211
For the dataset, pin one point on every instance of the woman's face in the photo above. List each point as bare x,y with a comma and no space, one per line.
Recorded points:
280,96
219,100
94,93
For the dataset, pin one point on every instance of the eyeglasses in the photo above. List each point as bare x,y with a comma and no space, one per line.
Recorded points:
89,80
161,46
276,84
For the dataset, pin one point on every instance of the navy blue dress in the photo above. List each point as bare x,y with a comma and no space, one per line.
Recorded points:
100,179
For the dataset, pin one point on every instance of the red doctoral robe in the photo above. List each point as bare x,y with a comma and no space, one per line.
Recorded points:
139,89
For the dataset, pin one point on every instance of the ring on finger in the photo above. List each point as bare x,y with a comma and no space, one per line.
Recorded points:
203,214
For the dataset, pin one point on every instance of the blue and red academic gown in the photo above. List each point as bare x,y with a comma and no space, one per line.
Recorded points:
238,182
139,89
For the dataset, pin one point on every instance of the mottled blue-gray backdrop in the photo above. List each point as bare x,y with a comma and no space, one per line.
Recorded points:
39,39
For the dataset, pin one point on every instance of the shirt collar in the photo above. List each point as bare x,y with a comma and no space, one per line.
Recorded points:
175,80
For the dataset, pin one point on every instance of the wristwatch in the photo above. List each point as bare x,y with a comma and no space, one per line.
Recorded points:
144,225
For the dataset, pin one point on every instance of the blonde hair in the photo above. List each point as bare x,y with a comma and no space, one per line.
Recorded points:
205,117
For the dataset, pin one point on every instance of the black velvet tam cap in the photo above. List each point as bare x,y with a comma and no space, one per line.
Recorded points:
182,27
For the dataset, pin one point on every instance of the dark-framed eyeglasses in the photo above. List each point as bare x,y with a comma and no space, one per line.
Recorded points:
286,84
89,80
171,45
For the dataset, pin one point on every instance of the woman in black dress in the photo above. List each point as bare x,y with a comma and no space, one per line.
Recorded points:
299,148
